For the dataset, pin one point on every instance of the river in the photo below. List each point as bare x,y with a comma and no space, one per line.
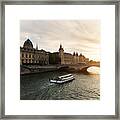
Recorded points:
38,87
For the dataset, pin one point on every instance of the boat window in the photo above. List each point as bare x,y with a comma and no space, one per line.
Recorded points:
64,76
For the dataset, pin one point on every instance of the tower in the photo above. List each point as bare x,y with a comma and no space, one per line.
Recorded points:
74,58
77,57
61,55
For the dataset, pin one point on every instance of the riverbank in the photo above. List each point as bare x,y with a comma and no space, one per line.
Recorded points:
33,69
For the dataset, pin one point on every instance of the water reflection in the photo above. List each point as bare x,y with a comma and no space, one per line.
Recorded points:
38,87
94,70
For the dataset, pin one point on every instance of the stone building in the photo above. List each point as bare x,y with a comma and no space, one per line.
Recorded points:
33,56
68,58
30,55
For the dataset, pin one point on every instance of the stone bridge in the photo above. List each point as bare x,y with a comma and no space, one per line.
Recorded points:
82,67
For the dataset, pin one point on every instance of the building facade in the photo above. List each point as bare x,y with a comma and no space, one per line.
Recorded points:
30,55
68,58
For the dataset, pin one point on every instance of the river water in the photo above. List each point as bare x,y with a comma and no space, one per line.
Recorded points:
38,87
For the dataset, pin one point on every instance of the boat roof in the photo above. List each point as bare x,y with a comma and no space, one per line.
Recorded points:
65,75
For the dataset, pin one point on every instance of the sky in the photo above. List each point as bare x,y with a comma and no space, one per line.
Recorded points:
82,36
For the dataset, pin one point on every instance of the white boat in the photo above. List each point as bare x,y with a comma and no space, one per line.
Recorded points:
62,79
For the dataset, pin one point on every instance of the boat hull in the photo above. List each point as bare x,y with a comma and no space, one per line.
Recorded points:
61,81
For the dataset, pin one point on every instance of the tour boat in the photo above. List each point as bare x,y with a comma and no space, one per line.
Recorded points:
62,79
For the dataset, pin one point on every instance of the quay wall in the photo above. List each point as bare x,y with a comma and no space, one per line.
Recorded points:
30,69
38,69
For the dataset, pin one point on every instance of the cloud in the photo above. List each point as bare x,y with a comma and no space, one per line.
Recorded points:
75,35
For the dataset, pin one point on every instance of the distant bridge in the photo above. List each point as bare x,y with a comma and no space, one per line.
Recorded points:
82,67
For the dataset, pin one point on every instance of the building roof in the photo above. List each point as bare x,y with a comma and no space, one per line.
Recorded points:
76,53
28,44
73,53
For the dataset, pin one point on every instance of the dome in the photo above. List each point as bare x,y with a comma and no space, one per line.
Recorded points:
28,44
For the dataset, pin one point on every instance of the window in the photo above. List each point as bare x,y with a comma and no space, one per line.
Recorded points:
22,55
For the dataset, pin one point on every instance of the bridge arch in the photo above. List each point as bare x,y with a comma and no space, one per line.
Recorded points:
84,69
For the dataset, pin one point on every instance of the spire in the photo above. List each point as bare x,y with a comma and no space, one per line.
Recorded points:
36,46
27,37
61,47
76,53
73,53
